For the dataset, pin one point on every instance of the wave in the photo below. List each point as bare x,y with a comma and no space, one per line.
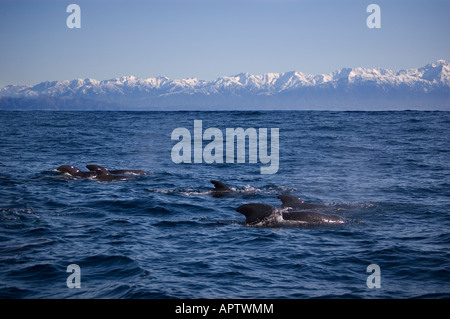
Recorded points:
246,190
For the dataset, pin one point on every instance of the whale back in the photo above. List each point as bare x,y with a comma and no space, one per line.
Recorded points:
313,217
128,172
219,185
291,201
255,213
69,169
100,170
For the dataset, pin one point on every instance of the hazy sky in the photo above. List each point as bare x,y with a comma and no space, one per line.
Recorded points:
212,38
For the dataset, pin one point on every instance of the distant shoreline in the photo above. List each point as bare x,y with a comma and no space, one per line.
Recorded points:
232,111
348,89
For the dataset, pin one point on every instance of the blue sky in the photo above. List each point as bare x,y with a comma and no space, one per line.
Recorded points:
212,38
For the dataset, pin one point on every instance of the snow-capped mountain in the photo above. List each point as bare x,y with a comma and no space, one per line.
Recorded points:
427,87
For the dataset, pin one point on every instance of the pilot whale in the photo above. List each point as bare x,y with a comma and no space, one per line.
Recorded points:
105,176
96,172
266,215
220,189
97,168
219,186
294,202
75,171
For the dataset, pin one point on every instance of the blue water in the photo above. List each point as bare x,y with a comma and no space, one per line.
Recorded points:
164,236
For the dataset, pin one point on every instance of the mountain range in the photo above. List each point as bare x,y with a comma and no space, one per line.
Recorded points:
424,88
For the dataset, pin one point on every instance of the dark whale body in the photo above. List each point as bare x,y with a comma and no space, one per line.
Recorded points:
98,173
267,215
293,202
105,175
128,172
75,171
97,168
219,186
220,189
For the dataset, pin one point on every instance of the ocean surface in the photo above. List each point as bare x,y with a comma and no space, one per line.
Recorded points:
164,235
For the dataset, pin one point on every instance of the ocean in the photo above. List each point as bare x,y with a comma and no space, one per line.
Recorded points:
164,235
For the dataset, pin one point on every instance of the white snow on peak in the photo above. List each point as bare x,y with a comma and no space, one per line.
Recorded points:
435,74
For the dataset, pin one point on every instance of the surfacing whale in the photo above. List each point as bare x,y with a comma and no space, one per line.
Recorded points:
75,171
96,168
220,189
105,175
96,172
266,215
294,202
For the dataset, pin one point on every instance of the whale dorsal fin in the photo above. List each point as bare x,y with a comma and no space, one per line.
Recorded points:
290,201
69,169
255,213
219,185
100,170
